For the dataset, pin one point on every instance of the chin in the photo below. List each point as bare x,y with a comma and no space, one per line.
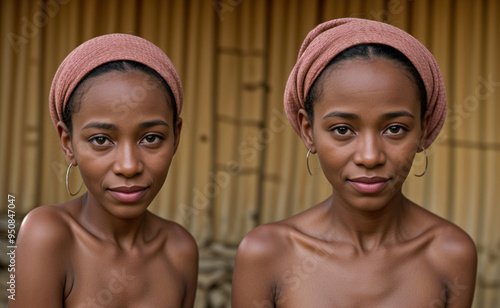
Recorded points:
128,211
370,208
373,203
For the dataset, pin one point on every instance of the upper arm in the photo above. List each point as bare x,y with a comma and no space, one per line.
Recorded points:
40,270
254,270
191,270
456,256
186,260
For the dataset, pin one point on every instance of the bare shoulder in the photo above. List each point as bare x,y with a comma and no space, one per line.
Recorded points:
259,261
452,248
46,226
46,234
174,233
281,238
181,251
453,256
266,242
179,243
185,244
450,244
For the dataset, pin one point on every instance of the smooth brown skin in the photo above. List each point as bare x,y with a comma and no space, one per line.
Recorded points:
359,249
98,251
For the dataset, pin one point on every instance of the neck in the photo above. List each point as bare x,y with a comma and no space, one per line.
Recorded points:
121,232
368,230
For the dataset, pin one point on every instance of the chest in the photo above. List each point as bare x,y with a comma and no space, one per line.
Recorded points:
319,281
106,280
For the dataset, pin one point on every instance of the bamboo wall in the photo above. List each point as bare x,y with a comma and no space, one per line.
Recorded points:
239,163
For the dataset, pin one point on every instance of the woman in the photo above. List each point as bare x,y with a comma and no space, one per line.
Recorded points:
365,97
115,102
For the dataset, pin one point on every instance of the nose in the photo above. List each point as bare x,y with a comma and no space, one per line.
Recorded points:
369,152
128,160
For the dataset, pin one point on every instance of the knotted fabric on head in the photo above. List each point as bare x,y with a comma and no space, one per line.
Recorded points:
104,49
328,39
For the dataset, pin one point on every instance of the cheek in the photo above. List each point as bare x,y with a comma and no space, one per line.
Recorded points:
402,163
332,159
92,175
90,163
83,151
331,170
158,163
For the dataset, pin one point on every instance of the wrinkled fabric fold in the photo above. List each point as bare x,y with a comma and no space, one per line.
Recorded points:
103,49
330,38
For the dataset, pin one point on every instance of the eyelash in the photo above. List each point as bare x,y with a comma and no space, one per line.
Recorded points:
157,137
400,129
93,140
335,130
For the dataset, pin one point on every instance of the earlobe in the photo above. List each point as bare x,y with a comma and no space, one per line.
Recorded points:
306,130
66,144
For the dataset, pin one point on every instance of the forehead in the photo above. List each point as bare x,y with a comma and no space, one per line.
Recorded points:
119,95
370,83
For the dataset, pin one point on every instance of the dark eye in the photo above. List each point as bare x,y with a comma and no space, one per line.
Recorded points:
342,130
395,129
99,140
152,139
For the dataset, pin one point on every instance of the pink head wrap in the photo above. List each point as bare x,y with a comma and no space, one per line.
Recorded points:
104,49
328,39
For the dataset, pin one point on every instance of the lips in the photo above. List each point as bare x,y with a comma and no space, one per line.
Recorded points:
128,194
368,185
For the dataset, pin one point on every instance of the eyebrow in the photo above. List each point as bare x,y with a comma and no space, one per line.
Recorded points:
153,123
397,114
341,114
390,115
100,125
108,126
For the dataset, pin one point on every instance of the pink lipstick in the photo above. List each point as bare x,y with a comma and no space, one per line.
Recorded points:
127,194
368,185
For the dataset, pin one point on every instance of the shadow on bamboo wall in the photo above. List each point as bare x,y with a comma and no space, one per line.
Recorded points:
239,163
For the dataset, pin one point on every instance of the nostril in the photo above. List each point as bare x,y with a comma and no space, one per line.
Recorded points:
128,163
370,156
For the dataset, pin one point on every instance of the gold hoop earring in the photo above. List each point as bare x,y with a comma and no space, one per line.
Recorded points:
67,182
307,162
426,164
